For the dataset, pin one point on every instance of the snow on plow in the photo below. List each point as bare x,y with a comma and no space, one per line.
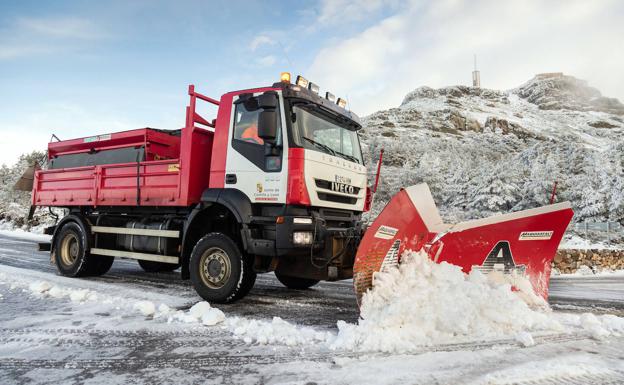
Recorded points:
523,242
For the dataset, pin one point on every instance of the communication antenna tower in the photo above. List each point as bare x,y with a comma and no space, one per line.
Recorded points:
476,75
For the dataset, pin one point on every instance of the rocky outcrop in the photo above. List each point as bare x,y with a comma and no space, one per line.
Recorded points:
561,92
506,127
503,125
602,124
453,93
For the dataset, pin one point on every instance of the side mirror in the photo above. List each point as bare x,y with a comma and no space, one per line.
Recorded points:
268,100
267,125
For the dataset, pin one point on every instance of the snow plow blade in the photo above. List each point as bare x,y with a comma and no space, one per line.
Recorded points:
523,242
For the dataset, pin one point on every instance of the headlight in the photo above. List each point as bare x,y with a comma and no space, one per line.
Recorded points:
302,221
314,87
302,238
301,81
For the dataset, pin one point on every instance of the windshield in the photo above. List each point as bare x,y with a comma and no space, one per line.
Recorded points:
317,133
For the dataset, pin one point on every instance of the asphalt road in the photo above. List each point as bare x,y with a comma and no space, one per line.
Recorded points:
42,342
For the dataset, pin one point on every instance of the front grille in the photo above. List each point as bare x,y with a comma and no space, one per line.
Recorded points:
327,185
337,198
336,214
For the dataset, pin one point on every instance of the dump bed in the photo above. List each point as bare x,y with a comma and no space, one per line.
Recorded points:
144,167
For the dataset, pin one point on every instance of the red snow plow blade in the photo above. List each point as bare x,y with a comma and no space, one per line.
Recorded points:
524,242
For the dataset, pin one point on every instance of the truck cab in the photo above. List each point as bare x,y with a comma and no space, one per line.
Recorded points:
276,182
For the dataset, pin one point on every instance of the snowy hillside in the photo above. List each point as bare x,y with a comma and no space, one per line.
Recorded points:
485,151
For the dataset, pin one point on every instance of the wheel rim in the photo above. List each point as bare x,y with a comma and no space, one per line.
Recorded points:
70,248
215,268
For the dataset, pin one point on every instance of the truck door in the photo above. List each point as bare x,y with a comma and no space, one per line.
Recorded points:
256,168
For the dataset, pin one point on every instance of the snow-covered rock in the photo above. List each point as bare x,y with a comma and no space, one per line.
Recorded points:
557,91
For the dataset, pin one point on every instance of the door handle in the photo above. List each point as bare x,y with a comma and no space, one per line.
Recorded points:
230,178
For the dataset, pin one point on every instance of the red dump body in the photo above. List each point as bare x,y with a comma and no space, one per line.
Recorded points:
174,170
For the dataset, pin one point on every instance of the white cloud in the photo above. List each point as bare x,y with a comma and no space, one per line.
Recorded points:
341,11
433,43
36,36
61,27
12,51
259,41
267,61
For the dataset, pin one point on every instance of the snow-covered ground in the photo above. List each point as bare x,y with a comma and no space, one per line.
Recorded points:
572,241
35,234
434,325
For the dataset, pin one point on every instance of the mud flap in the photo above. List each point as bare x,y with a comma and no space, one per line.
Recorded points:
523,242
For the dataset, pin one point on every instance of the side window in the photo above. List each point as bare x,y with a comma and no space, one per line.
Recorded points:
245,139
246,125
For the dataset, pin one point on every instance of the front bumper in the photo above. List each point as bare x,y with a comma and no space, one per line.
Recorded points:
336,236
324,230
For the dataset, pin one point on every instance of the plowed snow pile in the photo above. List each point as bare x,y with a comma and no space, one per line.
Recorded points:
421,303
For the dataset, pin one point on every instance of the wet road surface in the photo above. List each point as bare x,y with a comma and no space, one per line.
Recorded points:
43,340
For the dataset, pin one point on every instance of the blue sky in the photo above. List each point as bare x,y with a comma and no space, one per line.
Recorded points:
77,68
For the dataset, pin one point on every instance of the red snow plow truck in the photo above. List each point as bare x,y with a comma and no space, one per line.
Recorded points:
276,182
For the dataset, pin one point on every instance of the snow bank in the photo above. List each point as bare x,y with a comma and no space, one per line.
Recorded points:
572,241
46,289
421,303
207,314
201,312
147,308
276,331
7,228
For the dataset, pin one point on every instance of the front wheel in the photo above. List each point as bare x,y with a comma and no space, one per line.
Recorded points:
296,283
218,270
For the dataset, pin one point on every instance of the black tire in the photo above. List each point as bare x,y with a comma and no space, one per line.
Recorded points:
157,267
296,283
219,272
70,251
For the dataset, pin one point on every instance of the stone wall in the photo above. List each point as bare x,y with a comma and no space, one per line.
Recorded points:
569,260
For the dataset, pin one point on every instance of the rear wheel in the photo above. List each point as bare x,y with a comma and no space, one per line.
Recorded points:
295,282
157,267
70,252
218,270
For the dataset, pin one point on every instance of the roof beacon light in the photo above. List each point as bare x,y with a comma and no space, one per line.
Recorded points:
285,77
329,96
314,88
341,102
302,82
